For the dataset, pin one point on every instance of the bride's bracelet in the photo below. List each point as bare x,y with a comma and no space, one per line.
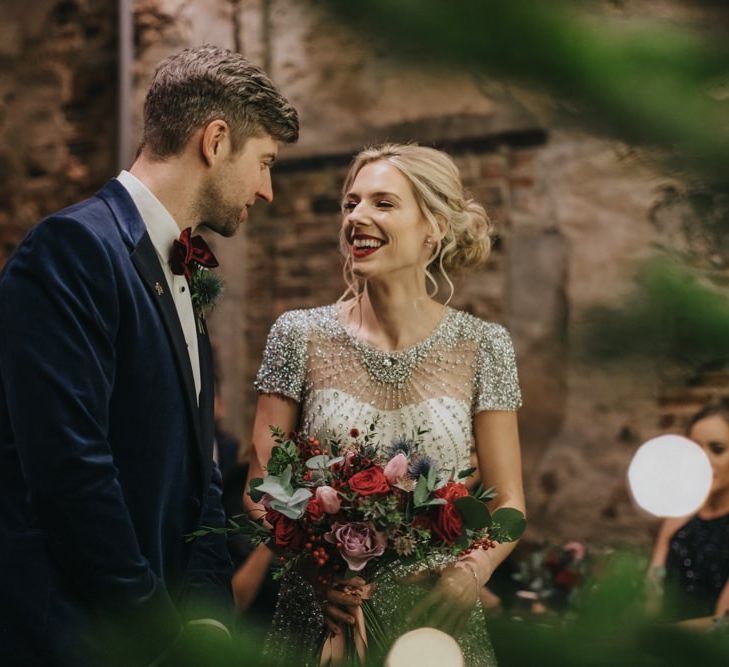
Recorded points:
472,570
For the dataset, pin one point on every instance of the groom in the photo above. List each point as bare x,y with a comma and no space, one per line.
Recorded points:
106,396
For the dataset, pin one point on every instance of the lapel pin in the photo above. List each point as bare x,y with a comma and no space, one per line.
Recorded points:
159,289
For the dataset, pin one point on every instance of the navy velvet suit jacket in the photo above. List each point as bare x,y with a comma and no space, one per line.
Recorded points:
105,457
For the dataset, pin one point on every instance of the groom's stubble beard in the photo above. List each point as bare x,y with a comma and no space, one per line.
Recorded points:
214,212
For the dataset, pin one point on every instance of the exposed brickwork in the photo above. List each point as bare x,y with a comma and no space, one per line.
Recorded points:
57,108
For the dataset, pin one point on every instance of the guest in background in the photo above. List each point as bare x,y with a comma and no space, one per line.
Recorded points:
691,555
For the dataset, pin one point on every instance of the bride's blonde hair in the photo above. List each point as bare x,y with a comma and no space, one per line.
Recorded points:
461,228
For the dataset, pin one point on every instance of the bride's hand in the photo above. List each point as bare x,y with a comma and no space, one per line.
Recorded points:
339,601
450,602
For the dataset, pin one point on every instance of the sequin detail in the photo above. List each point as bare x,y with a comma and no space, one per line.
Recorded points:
465,366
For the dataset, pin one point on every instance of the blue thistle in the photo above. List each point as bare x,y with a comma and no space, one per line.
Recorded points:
401,445
420,467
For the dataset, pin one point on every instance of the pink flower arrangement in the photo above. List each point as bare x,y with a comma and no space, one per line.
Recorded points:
358,542
345,506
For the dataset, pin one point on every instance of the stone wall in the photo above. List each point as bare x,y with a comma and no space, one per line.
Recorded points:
57,108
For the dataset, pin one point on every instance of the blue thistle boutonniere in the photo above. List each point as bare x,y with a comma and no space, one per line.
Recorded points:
205,288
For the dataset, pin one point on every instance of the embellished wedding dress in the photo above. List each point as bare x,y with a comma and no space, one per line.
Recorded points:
465,366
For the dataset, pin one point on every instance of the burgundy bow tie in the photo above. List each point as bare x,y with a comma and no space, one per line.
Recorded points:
189,250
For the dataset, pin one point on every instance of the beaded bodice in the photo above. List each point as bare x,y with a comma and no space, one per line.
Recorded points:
466,365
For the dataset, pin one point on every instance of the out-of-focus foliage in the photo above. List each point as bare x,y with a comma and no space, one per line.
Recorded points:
673,316
612,629
648,82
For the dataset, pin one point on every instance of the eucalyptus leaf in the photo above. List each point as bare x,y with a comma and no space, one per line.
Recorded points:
335,460
474,512
432,478
466,473
253,490
273,486
508,524
317,462
291,511
420,494
299,496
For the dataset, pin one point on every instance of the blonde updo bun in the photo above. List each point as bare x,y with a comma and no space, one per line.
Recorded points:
461,224
469,244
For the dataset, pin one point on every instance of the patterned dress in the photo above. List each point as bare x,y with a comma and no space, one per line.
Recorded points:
697,567
465,366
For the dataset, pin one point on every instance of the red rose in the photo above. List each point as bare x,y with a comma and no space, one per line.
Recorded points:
288,535
451,491
272,516
314,510
370,481
447,522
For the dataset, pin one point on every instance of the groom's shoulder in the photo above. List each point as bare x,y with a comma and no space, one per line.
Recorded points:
91,216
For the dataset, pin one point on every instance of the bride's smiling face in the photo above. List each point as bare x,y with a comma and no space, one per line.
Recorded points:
383,226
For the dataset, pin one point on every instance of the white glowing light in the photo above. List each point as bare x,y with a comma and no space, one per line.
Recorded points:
670,476
425,647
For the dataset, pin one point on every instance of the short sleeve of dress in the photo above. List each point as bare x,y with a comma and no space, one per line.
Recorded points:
283,368
497,383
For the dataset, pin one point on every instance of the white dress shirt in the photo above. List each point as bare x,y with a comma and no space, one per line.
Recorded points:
163,231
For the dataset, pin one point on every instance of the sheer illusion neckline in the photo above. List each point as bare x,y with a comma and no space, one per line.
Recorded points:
424,343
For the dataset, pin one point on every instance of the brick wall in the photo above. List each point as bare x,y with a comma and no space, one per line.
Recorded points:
57,108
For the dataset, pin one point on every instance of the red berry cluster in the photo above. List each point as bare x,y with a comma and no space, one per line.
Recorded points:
308,446
484,543
318,551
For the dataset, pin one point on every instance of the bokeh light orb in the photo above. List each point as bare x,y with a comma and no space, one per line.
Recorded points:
425,647
670,476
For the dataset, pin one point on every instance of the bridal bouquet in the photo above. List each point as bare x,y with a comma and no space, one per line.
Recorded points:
352,505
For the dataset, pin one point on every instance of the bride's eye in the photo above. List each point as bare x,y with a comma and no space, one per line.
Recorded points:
348,206
384,204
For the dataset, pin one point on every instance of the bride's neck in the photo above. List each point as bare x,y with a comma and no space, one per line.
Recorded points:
392,317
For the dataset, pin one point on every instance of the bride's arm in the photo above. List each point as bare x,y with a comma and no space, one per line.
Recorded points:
271,410
499,463
458,588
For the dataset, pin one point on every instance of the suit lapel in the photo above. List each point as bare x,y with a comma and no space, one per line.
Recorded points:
144,257
207,395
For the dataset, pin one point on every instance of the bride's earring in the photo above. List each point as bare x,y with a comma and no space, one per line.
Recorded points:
429,242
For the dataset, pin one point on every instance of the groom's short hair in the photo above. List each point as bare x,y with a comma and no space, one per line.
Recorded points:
198,85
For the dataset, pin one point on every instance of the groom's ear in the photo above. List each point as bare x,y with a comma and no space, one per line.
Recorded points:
215,141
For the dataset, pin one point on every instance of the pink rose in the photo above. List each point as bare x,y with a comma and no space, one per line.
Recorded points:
359,542
329,499
396,468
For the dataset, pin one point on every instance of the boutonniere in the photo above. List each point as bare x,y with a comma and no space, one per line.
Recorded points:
205,288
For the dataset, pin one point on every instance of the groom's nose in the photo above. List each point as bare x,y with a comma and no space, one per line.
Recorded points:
265,191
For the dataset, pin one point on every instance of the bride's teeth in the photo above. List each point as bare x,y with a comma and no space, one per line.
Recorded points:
367,243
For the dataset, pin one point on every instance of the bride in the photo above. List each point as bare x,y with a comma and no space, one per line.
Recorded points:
389,350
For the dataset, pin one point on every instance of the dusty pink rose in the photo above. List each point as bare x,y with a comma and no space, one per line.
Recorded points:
396,468
329,499
359,541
